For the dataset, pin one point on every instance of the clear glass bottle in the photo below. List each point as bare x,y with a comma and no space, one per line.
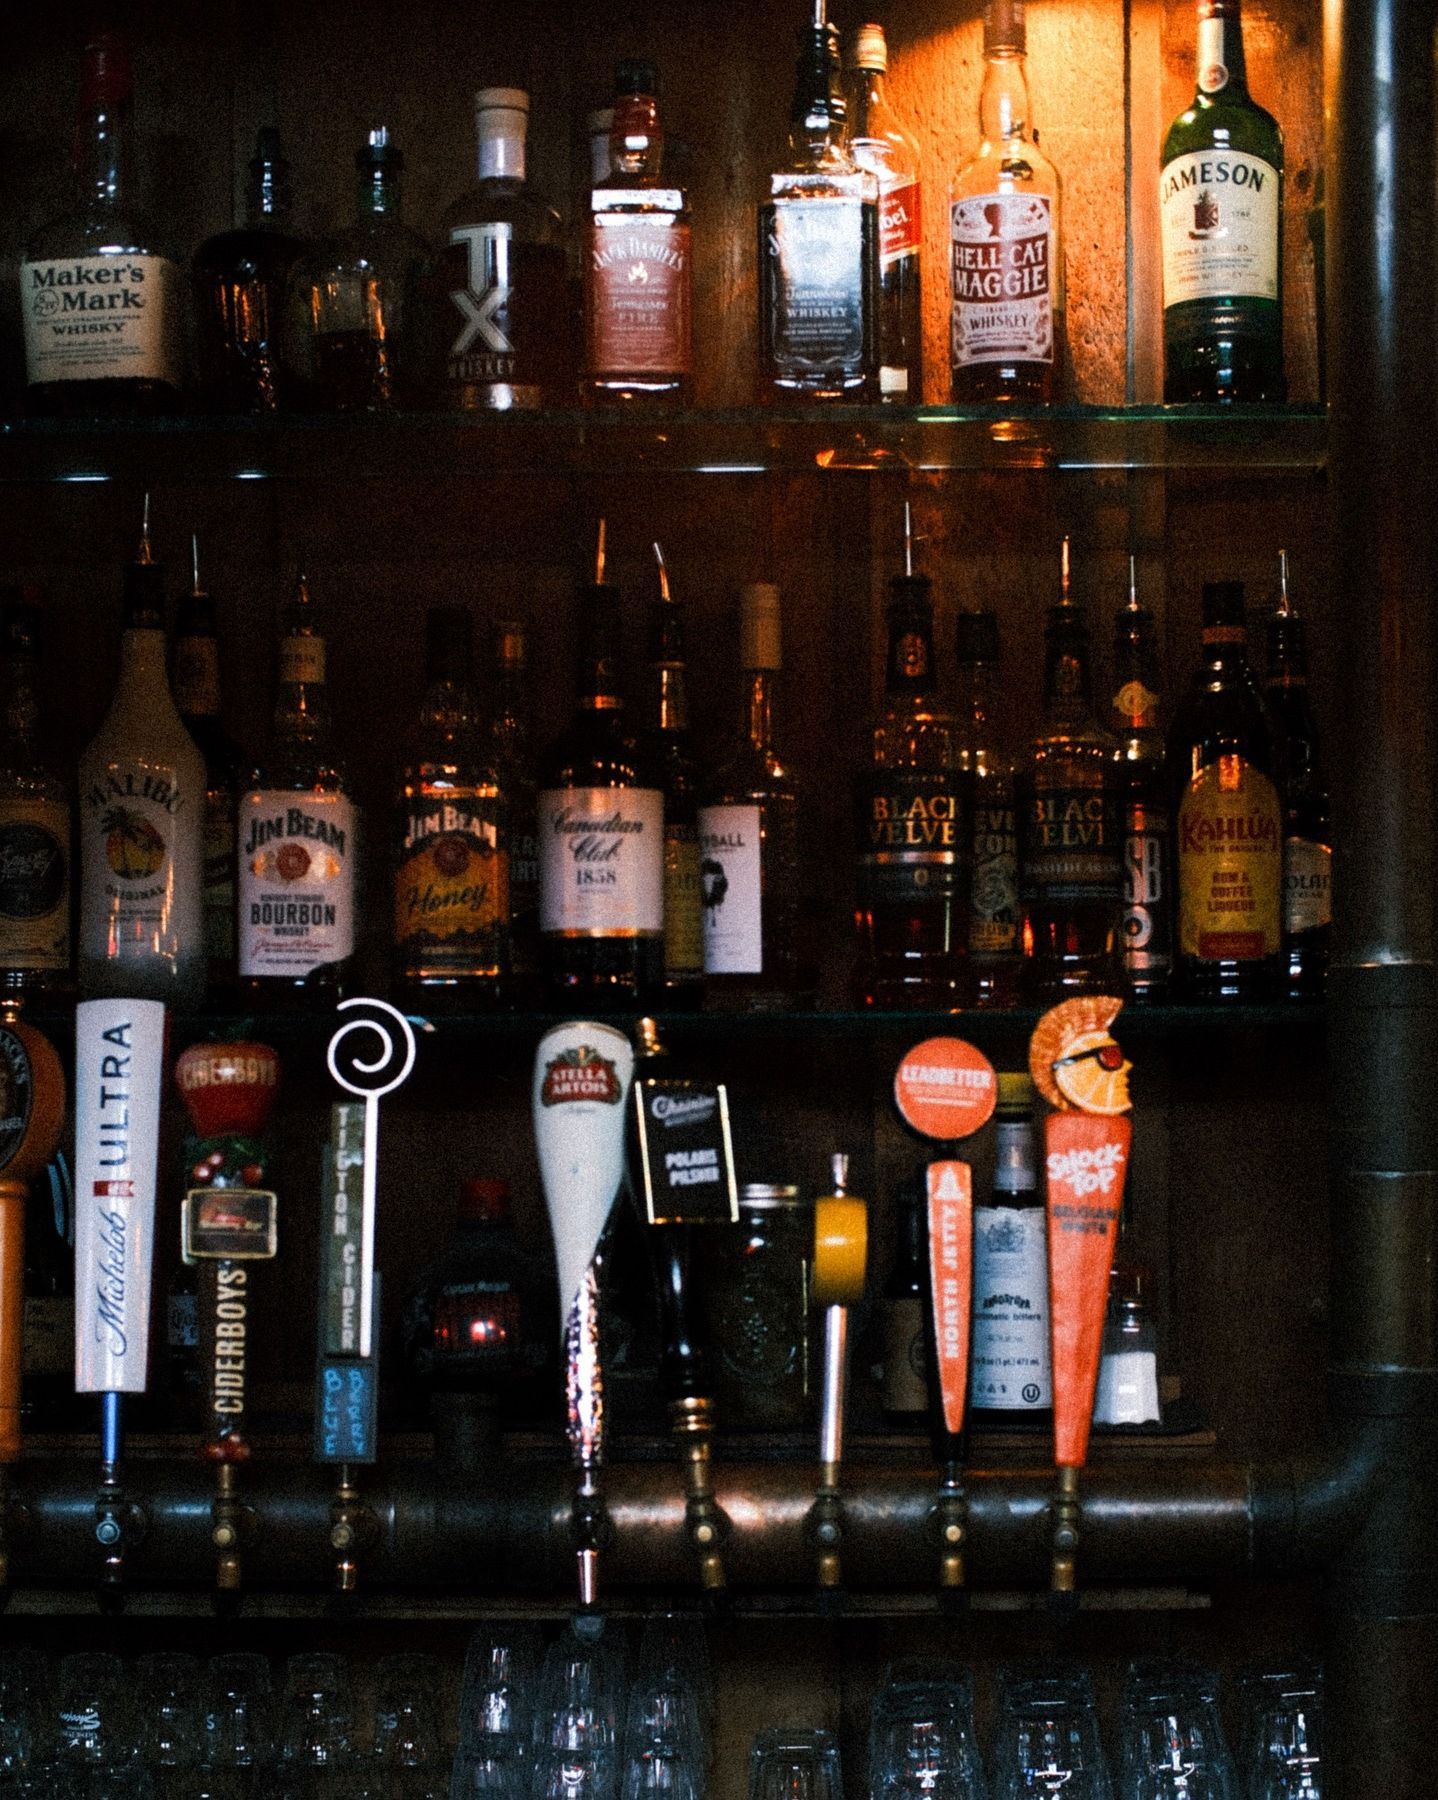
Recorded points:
511,752
819,245
749,838
1307,826
671,750
995,912
352,301
239,280
142,810
891,155
757,1312
502,292
1006,238
1010,1379
34,819
99,300
298,831
1143,778
451,883
638,272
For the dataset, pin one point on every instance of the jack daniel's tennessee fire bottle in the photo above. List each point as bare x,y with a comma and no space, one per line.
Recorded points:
1229,834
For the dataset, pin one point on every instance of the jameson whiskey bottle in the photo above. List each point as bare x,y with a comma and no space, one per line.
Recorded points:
1070,823
1221,201
195,678
1006,238
667,743
749,838
882,146
100,304
512,758
638,274
142,811
995,914
503,290
451,883
819,245
1229,818
913,864
1143,781
297,837
601,837
34,819
1010,1379
1303,792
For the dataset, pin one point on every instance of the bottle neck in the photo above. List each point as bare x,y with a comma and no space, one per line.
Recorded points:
759,709
268,202
671,697
22,711
1136,695
142,665
1221,66
301,704
871,103
1068,694
599,690
818,118
102,153
1004,97
978,689
636,138
1015,1158
197,674
378,193
1225,649
447,709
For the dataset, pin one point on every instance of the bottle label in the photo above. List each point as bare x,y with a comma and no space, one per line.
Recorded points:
101,318
1071,848
1127,1391
302,659
451,889
908,829
994,916
1136,705
219,890
1230,864
638,317
140,852
34,884
297,854
1220,211
1145,890
1212,55
817,251
906,1373
49,1334
1004,263
900,220
683,923
601,862
1011,1368
1307,885
731,843
195,681
508,298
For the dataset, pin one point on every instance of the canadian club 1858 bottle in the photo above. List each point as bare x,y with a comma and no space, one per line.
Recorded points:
601,838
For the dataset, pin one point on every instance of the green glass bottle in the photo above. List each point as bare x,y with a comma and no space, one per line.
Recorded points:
1221,204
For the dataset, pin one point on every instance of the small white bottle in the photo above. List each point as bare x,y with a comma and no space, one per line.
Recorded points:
141,816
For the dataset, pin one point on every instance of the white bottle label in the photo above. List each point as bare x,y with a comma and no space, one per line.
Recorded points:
302,658
297,888
1004,264
1307,884
1127,1392
1220,227
731,875
601,862
140,865
101,318
1011,1310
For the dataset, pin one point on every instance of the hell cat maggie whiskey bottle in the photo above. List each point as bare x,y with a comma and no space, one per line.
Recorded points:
1229,837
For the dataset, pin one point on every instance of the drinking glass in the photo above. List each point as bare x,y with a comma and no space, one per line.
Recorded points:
795,1763
675,1650
407,1745
496,1725
317,1753
1173,1743
666,1730
172,1732
576,1752
26,1740
97,1743
922,1741
1048,1738
240,1721
1283,1734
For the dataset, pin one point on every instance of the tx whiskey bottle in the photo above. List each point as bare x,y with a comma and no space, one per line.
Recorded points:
1143,781
1303,792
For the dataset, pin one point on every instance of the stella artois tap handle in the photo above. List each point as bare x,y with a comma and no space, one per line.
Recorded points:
841,1249
582,1075
119,1073
228,1226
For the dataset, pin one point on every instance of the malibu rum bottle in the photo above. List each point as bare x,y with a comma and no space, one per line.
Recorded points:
912,912
1229,818
1221,201
451,884
601,837
1143,779
667,741
1006,238
819,244
1307,831
297,837
1071,823
995,913
34,819
882,146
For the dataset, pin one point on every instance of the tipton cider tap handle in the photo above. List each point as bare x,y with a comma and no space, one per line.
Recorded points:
841,1249
582,1076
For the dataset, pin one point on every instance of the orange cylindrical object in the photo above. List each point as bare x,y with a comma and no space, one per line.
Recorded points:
12,1314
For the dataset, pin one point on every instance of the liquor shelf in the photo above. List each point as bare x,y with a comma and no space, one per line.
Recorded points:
1288,441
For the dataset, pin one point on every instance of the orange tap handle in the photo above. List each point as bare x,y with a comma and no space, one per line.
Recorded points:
12,1314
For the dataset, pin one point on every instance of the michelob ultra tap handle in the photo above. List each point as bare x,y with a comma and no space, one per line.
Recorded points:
32,1105
119,1071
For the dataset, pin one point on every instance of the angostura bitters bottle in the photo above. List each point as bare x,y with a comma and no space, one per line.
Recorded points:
913,847
995,913
1143,778
667,741
1070,823
1303,792
34,818
882,146
1229,821
601,837
1221,201
1011,1378
298,831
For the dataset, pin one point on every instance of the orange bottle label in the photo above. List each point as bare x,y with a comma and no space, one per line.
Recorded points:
1230,864
951,1260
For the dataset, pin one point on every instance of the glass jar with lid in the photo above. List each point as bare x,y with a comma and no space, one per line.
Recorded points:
756,1305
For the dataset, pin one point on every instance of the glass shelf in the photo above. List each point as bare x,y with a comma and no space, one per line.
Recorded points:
1272,440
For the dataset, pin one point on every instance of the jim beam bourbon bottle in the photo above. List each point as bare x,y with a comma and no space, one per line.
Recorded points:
1006,238
910,825
1071,823
882,146
1229,818
1143,779
995,911
1307,829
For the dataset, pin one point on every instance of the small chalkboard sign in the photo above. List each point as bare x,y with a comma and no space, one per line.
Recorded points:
347,1406
686,1152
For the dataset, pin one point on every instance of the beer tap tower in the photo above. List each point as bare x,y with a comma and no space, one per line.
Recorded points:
841,1255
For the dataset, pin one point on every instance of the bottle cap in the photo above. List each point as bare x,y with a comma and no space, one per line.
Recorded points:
501,122
768,1196
448,643
978,637
760,639
484,1200
1016,1093
1004,27
868,50
108,78
636,77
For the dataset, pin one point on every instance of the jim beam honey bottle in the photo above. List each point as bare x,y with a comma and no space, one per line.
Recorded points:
1229,820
